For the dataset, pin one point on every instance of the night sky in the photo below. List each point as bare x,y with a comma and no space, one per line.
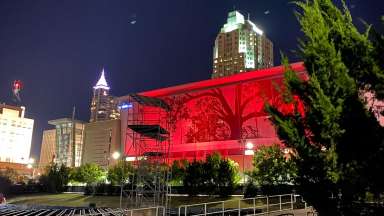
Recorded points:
58,48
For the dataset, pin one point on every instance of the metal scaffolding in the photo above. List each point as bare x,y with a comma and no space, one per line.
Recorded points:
148,134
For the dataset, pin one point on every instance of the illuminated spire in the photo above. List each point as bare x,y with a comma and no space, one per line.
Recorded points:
102,83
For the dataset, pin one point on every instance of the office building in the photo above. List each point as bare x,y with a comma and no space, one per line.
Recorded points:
15,134
240,46
69,141
101,140
103,105
48,148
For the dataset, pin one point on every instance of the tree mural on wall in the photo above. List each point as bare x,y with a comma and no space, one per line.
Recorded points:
206,125
217,116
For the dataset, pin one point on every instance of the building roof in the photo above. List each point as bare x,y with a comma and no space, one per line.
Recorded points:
235,20
102,83
6,106
262,74
63,120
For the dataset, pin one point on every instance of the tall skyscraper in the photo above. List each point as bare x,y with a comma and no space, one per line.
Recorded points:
15,134
69,141
240,46
48,148
103,105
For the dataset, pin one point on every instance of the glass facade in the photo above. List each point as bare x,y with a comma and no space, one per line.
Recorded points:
69,141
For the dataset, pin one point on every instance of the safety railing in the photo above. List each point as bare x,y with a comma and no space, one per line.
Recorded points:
153,211
249,206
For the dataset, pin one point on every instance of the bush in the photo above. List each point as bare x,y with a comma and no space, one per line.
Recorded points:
55,179
251,190
215,176
193,179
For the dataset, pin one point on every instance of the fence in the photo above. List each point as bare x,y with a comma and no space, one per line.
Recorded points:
151,211
251,206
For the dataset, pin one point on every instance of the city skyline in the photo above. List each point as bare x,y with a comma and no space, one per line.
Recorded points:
59,57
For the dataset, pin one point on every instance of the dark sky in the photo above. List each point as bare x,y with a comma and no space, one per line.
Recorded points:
58,48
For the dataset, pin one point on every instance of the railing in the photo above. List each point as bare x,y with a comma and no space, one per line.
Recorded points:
251,206
155,211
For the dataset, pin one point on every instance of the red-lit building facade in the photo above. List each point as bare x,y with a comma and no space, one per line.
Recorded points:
224,115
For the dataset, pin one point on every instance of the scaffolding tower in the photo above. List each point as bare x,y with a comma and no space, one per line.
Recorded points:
148,136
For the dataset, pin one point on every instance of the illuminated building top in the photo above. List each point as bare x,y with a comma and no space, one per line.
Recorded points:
240,46
103,105
236,20
102,83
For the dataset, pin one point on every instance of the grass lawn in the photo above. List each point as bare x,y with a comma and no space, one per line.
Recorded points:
80,200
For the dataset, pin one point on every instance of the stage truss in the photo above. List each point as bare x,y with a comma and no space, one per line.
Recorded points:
148,138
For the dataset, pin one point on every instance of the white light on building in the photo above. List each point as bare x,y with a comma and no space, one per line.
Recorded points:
249,152
249,145
130,158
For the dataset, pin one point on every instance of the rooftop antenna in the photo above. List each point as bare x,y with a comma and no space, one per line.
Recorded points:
248,16
73,113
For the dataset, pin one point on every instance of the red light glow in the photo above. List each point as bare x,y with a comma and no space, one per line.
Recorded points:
223,115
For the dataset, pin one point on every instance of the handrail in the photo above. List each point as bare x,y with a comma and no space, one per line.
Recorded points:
131,211
283,200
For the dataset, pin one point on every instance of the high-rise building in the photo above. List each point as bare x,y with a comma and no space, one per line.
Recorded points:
69,141
15,134
48,148
103,105
240,46
101,140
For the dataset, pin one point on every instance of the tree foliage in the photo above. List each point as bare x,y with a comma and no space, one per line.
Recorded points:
89,173
178,170
122,171
213,176
337,139
12,175
55,178
272,167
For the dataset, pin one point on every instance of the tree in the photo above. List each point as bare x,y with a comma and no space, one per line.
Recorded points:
272,167
334,133
178,170
12,175
56,178
210,173
89,173
193,179
122,171
228,177
214,176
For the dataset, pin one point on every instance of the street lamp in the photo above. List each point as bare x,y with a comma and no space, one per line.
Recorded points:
30,165
116,155
248,150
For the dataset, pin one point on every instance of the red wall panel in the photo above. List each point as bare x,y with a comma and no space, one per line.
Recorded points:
222,114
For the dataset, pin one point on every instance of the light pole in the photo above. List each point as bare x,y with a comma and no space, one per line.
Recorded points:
30,165
116,155
248,150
